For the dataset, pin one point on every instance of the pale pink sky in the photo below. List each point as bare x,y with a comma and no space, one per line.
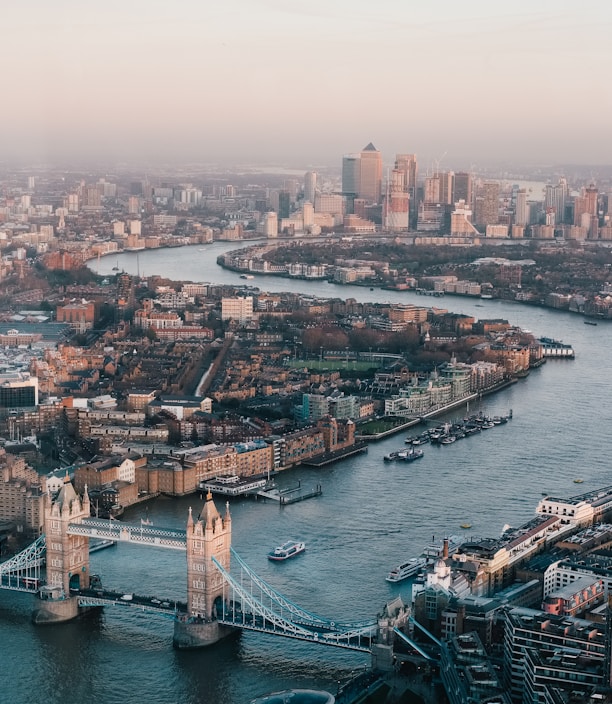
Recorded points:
290,81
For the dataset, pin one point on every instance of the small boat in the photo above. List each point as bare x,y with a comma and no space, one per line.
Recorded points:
289,549
466,526
246,276
404,455
448,439
578,481
410,455
590,322
406,569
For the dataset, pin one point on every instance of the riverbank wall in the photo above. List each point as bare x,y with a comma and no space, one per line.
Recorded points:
436,412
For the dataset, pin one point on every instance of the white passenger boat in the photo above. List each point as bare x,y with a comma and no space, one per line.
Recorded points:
289,549
407,569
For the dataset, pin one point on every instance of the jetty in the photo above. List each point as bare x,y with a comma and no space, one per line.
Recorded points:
329,457
290,495
555,349
234,485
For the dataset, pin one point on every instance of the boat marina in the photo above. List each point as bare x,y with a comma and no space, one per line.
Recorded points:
448,433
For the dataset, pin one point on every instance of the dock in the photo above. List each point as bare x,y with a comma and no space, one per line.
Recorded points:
234,485
329,457
555,349
290,495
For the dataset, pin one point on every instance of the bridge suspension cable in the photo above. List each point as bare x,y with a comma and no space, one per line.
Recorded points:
251,613
302,614
22,572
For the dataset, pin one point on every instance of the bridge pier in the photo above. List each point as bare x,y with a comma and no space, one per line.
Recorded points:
51,608
189,634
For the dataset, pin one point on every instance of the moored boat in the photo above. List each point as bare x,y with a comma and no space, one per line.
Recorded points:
289,549
406,570
404,455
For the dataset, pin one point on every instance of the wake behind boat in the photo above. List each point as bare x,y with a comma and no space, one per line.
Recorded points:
289,549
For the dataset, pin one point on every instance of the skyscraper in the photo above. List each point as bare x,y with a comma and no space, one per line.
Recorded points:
284,204
554,197
370,174
431,192
591,194
350,175
396,204
521,212
408,164
462,187
310,186
447,179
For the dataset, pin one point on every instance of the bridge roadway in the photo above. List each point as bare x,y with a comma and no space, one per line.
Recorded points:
104,597
351,640
142,534
17,583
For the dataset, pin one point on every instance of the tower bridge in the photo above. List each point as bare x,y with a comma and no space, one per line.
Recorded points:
217,602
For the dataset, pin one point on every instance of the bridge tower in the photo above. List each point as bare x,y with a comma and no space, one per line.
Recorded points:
207,537
67,556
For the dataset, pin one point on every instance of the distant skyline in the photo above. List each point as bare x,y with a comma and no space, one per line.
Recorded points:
285,81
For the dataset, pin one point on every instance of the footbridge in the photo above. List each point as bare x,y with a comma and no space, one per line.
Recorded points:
143,534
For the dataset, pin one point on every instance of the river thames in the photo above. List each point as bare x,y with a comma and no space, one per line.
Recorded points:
370,516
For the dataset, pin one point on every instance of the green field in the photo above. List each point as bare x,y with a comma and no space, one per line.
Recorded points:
381,425
330,365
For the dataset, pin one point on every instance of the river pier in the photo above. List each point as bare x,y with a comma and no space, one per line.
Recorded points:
291,495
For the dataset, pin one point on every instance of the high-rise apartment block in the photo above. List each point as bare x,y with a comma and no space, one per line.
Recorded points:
486,211
239,308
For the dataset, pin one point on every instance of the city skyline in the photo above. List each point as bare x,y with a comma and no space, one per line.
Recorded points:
267,81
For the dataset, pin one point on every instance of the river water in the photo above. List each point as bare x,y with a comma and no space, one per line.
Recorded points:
370,516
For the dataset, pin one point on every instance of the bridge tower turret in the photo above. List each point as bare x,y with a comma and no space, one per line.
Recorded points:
67,556
207,537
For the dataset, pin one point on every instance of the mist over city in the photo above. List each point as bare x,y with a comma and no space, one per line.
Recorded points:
305,330
248,81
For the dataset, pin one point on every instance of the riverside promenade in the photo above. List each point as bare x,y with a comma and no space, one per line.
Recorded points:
433,413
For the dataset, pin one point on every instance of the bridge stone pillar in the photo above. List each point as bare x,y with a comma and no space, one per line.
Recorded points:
67,556
207,537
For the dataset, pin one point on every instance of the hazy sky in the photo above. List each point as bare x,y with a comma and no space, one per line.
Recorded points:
304,81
